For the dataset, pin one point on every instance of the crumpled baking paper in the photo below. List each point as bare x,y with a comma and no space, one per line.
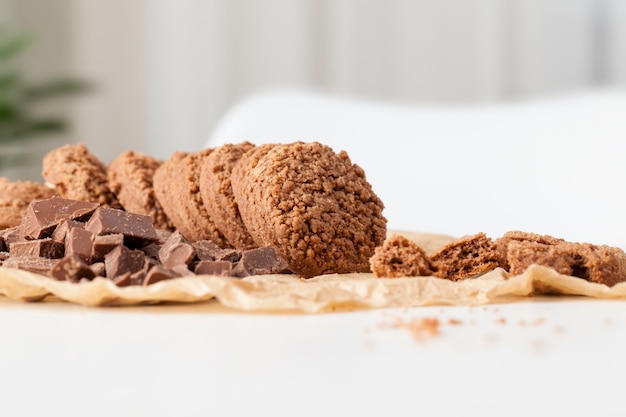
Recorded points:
319,294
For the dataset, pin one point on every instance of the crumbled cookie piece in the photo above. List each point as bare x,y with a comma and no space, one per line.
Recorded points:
523,253
600,263
519,236
466,257
400,257
217,193
313,205
78,175
130,178
15,196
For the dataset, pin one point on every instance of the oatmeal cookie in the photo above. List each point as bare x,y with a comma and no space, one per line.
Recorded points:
217,193
78,175
130,179
16,196
312,204
176,188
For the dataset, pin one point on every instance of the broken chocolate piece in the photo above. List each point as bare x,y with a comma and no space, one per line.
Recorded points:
122,260
97,268
73,269
45,248
222,268
176,251
123,280
260,261
42,216
230,255
152,250
105,244
38,265
61,231
156,274
137,228
206,249
79,242
11,235
181,270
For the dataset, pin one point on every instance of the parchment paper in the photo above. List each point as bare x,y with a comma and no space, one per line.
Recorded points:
323,293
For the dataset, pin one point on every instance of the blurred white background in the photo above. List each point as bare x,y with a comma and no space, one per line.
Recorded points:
165,71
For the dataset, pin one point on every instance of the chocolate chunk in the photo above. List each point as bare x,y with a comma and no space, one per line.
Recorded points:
73,269
61,231
3,246
43,216
98,269
206,249
260,261
79,242
11,235
181,270
38,265
152,250
230,255
122,260
45,248
123,280
176,251
156,274
223,268
137,228
105,244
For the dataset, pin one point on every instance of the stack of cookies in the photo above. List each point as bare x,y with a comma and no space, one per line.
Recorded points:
314,206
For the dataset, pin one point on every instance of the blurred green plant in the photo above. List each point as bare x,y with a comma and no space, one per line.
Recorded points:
19,100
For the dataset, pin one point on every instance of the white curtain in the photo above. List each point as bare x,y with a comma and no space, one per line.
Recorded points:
166,70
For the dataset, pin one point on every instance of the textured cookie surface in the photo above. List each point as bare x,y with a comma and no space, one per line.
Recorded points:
468,256
313,205
78,175
400,257
16,196
176,188
130,179
217,193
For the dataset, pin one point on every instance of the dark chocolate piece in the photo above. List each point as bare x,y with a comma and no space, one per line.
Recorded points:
137,228
176,251
105,244
122,260
230,255
152,250
42,216
41,266
73,269
61,231
223,268
45,248
260,261
206,249
79,242
156,274
3,246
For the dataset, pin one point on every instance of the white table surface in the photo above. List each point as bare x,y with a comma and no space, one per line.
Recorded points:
543,356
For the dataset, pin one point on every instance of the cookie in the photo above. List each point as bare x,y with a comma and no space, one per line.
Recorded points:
523,253
130,179
400,257
466,257
217,193
516,235
16,196
78,175
176,188
312,204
